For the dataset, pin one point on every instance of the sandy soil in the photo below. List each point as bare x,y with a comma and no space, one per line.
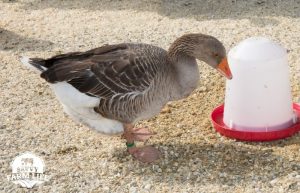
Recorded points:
196,158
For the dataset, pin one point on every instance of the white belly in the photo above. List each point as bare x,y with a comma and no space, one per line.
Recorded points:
81,108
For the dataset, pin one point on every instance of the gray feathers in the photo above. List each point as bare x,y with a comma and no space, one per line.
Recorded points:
120,75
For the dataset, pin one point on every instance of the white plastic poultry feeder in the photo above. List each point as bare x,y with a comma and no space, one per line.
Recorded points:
258,102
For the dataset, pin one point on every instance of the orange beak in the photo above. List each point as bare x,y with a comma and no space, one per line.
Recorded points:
224,69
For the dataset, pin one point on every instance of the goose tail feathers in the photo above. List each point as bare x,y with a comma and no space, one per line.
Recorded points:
35,64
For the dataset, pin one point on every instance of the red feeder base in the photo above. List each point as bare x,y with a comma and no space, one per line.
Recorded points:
217,121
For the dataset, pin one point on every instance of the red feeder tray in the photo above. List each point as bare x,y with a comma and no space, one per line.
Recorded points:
217,121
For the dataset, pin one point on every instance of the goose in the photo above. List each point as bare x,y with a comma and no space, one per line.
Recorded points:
110,88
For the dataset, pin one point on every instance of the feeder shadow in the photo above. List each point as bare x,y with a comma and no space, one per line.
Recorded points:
12,41
223,164
293,140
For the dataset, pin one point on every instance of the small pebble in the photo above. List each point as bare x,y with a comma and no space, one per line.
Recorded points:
148,186
202,89
133,190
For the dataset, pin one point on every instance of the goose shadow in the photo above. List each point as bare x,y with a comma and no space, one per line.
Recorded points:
258,11
222,164
11,41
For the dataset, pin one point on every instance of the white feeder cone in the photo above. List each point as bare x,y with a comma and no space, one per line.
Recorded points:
258,98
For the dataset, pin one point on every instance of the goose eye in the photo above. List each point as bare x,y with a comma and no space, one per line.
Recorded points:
216,55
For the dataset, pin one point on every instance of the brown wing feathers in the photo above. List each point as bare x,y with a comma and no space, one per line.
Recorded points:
101,72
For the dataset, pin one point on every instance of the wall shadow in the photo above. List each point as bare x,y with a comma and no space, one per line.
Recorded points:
198,9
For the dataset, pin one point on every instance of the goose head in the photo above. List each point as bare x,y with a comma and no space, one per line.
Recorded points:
203,47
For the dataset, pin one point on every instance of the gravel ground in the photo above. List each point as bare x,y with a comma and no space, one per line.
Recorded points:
196,158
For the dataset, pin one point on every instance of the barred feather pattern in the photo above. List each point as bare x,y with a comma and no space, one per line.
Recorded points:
143,104
132,81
